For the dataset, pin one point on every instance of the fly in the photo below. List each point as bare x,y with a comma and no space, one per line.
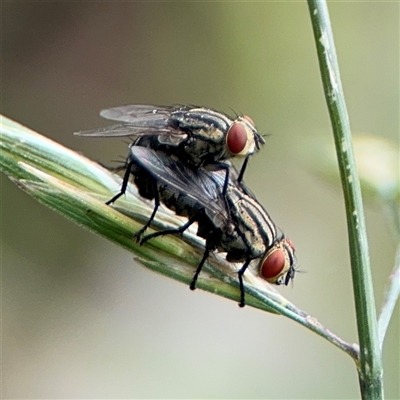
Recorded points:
198,136
235,223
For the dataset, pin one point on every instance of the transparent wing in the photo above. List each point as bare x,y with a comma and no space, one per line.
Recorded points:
199,186
130,130
142,115
138,120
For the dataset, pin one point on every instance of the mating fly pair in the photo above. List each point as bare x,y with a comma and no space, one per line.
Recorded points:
178,158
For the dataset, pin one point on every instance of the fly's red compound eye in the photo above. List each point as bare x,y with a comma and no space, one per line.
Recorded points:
236,138
274,266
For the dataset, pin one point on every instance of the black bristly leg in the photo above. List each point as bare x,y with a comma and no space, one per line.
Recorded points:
226,181
124,185
225,187
244,166
241,285
224,167
137,237
199,268
174,231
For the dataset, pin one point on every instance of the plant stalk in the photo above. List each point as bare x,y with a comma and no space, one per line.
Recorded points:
370,369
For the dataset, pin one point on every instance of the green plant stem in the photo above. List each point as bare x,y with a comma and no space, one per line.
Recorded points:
370,372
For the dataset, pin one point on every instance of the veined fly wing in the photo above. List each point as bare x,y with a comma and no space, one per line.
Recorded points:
199,186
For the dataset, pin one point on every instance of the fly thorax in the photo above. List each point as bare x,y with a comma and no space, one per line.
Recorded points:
201,150
257,246
171,139
232,243
254,224
209,134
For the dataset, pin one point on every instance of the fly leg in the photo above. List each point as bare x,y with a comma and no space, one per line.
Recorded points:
124,185
226,181
181,230
138,236
244,166
199,268
174,231
241,285
225,167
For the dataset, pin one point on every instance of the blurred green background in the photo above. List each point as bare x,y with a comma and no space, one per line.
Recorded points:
80,318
